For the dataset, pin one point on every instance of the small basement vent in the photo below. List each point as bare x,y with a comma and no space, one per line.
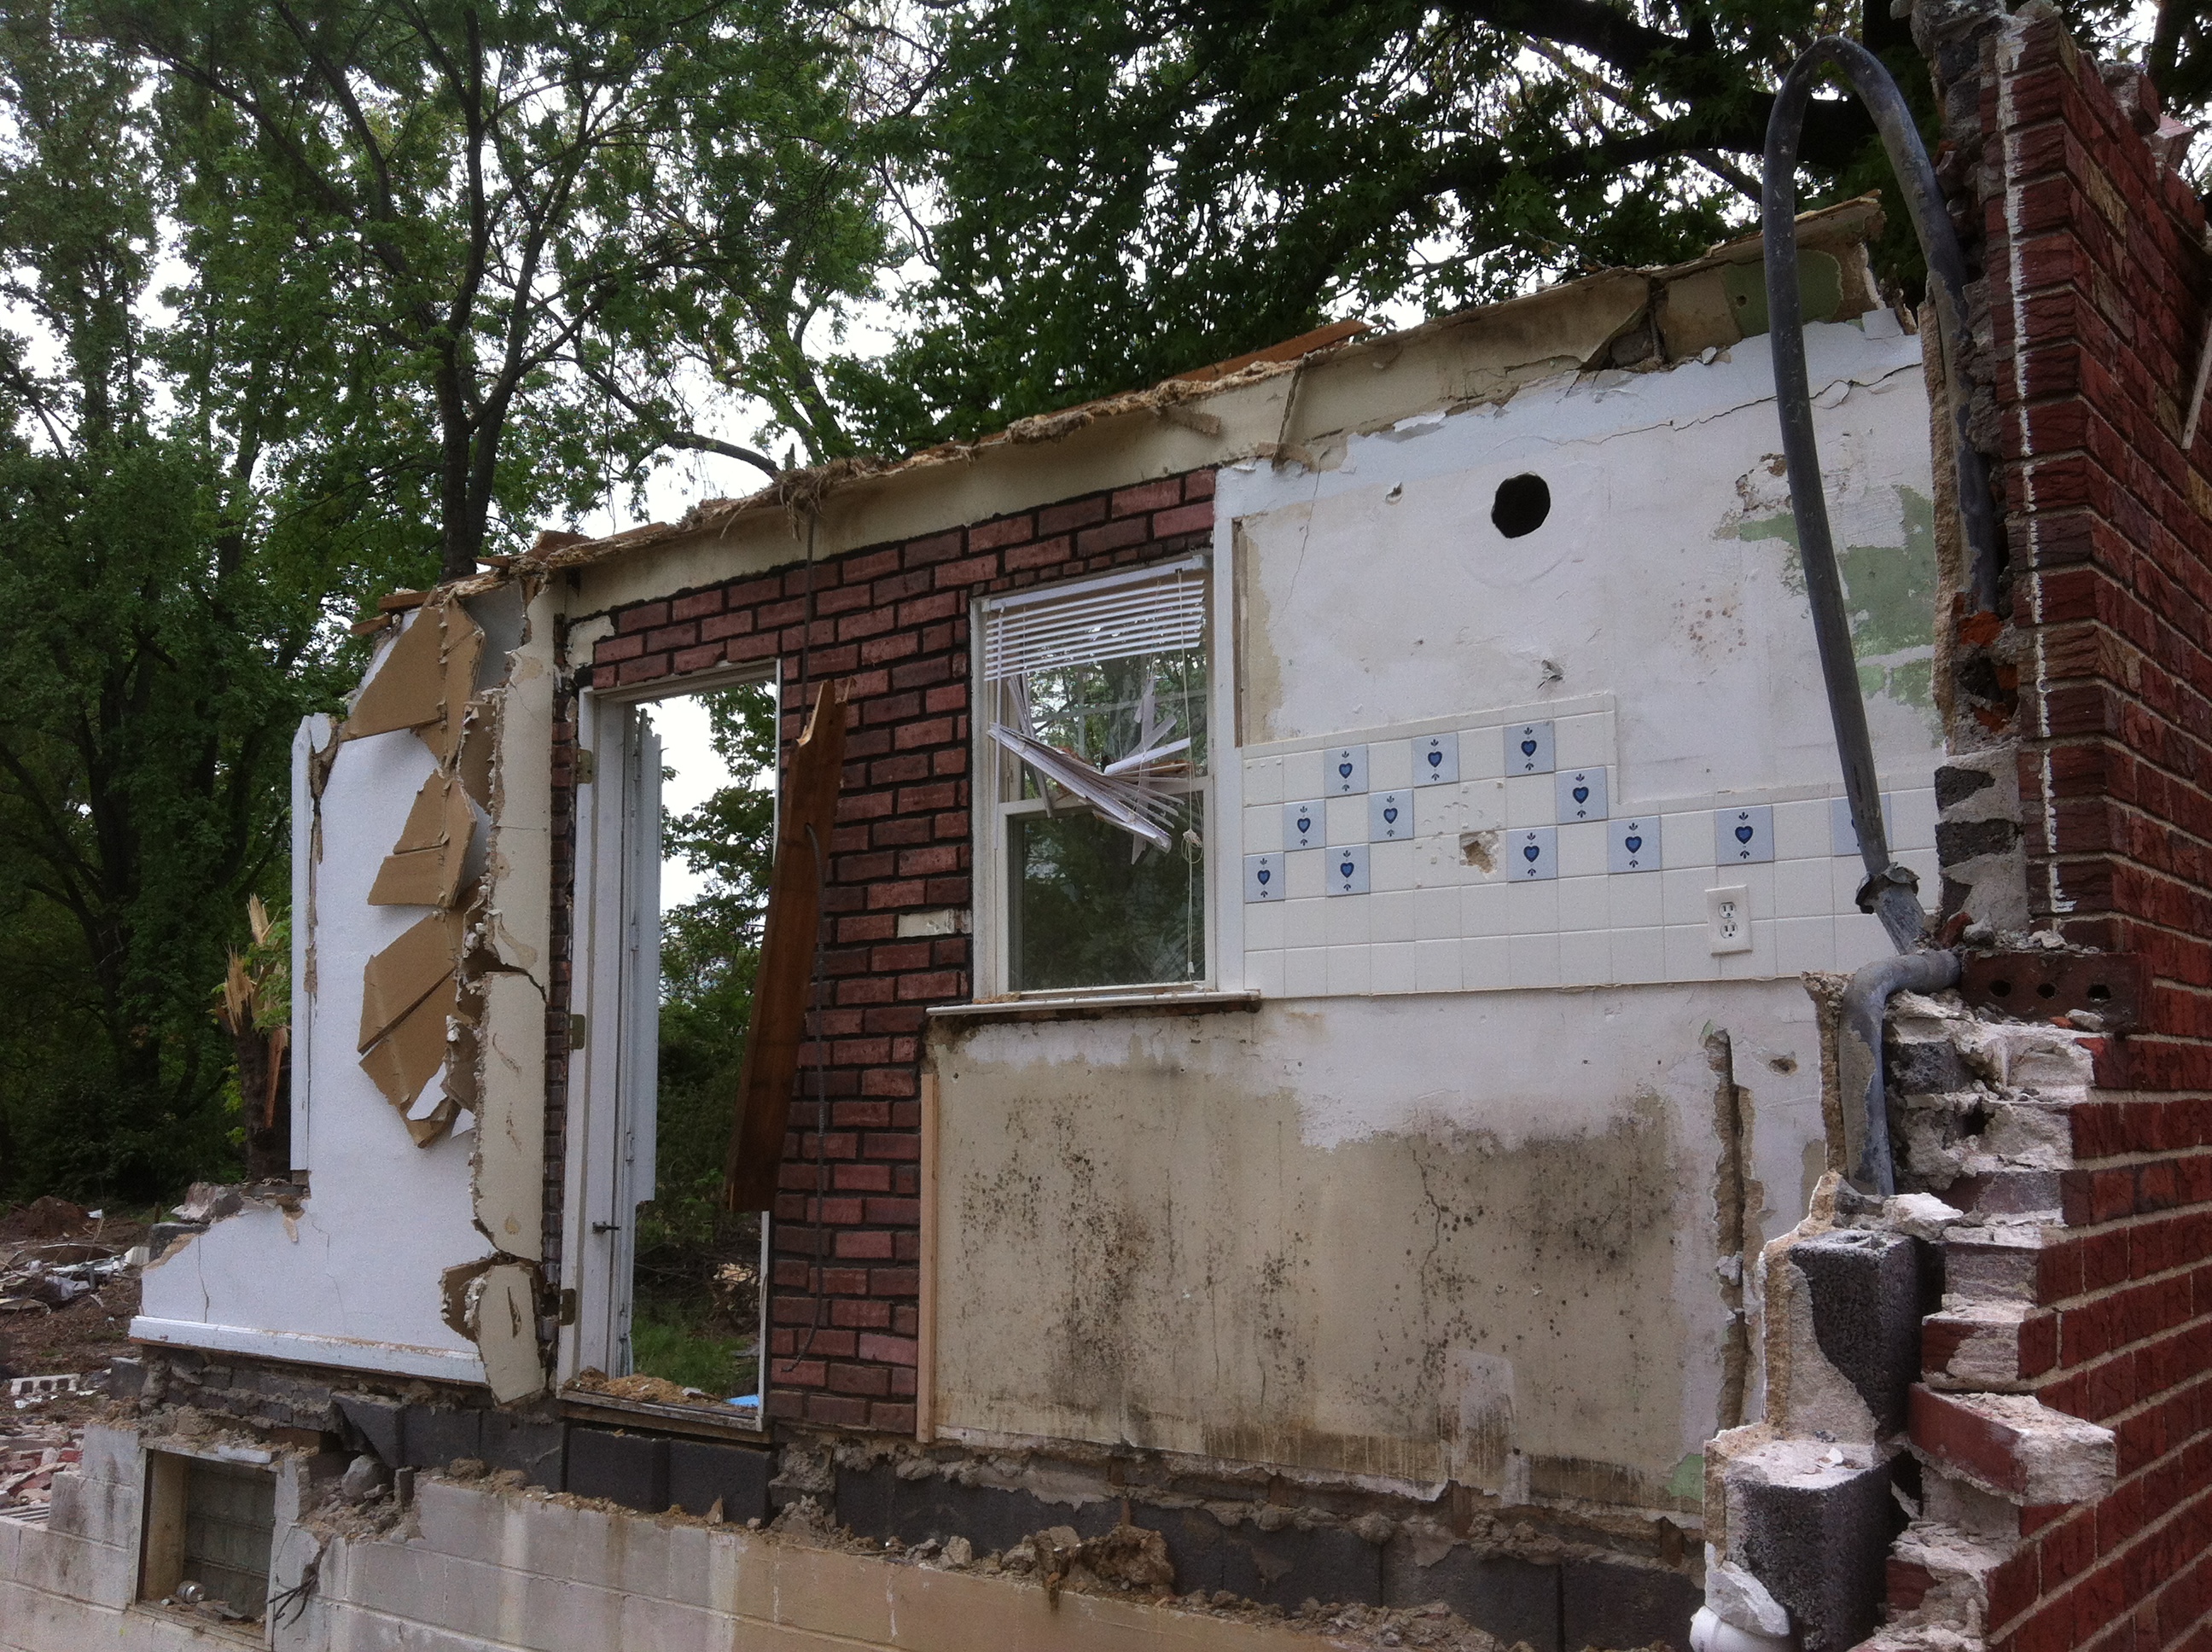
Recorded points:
209,1530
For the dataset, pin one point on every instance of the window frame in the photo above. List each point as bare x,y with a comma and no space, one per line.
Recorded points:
995,799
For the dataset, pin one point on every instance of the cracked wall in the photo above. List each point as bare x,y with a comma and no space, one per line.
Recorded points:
1412,1240
422,975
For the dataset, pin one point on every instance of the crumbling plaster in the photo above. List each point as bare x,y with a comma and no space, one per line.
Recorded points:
1409,1240
1435,1237
405,1257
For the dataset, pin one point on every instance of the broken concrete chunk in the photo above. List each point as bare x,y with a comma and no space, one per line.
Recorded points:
1922,1216
363,1478
1739,1599
424,867
406,972
503,1314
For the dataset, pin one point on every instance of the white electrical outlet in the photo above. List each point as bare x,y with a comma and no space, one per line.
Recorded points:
1728,920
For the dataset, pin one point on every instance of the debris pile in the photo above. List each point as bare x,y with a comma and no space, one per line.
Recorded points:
55,1275
29,1459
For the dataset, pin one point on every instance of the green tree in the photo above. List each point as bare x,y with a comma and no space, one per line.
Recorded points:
691,1314
1130,188
171,638
517,217
306,302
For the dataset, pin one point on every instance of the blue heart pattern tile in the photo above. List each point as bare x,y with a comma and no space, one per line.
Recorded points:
1581,793
1344,770
1532,852
1390,815
1263,878
1743,836
1528,749
1348,870
1632,846
1436,759
1302,826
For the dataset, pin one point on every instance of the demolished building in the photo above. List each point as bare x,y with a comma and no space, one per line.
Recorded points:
1366,1097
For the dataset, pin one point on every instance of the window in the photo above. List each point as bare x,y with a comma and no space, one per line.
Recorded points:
209,1527
1094,750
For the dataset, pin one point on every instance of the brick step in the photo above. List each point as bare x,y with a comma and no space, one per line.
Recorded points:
2010,1192
1999,1346
2013,1447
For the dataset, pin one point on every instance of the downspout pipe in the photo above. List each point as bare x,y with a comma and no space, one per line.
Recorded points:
1891,891
1873,1168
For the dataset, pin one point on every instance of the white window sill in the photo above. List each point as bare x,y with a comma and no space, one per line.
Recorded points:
1077,1007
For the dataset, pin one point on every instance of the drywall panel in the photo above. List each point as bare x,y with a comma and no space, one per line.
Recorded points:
1415,1238
361,1263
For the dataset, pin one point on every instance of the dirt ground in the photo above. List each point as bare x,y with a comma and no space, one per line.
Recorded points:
76,1339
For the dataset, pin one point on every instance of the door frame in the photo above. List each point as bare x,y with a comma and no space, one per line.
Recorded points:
592,1173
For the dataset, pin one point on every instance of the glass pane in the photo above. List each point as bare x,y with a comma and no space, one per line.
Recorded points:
1083,914
1095,711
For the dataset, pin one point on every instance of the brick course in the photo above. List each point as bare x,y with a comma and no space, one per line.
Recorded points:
894,619
2097,287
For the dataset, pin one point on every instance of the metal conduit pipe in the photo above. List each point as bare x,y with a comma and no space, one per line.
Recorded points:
1890,891
1873,1168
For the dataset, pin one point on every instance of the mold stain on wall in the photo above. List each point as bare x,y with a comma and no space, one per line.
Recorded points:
1142,1248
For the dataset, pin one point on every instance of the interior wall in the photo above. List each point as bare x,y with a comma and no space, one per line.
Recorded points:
1447,1206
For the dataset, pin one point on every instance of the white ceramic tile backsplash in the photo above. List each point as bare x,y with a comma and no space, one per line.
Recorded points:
1436,919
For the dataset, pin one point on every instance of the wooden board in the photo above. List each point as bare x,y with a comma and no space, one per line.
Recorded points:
786,976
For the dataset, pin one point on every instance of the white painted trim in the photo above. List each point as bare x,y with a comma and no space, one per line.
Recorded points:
352,1353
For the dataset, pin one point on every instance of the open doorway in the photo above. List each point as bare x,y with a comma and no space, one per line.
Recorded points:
670,1306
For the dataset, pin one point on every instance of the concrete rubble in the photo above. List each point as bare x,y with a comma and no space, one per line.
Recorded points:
1882,1489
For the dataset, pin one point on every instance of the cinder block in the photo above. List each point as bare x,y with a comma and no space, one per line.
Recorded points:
1816,1533
535,1445
1610,1603
111,1453
875,1502
1515,1600
631,1469
1325,1563
376,1423
700,1472
1865,1292
431,1436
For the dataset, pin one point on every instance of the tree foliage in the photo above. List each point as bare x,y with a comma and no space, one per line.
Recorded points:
1129,188
304,300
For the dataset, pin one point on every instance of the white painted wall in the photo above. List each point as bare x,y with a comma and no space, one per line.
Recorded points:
1657,618
1317,1237
354,1278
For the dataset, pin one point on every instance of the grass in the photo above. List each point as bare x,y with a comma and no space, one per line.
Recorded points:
674,1341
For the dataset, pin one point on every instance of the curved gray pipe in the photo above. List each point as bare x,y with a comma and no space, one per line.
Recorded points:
1858,1059
1890,891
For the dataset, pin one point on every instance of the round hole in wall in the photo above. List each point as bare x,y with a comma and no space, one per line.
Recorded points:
1522,505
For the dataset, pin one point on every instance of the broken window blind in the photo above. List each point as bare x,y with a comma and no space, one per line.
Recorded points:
1148,611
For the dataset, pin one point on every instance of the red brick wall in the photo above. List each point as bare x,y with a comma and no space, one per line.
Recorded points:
2097,285
894,619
